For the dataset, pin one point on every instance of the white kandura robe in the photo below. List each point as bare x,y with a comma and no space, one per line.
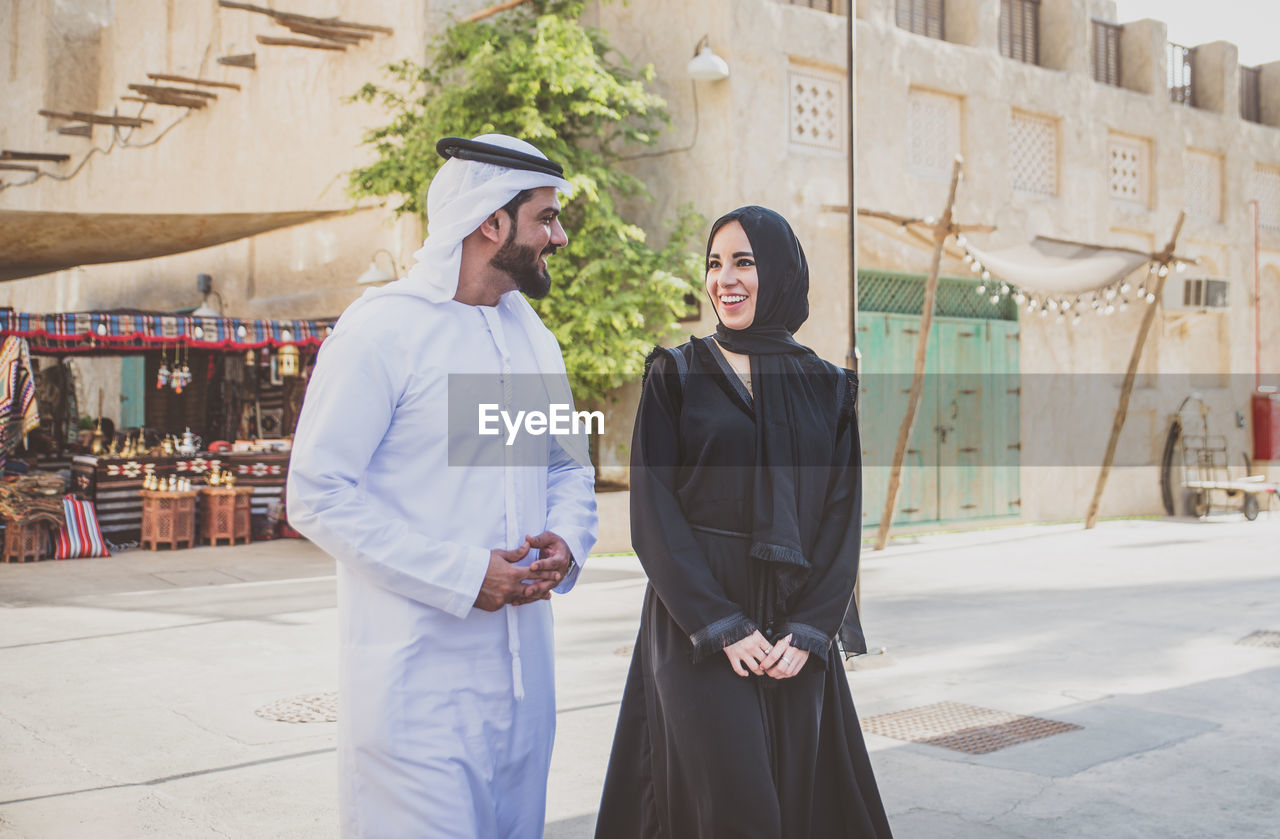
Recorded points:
446,712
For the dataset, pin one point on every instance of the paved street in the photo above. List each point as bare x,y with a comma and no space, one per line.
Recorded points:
129,685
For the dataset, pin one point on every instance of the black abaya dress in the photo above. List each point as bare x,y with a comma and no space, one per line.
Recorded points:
699,750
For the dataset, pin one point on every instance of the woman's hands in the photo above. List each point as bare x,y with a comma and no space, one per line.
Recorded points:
785,660
756,655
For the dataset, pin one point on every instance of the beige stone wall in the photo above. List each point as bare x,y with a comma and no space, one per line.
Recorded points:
891,63
742,153
281,143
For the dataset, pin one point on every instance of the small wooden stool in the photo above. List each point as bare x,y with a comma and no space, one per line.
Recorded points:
168,518
26,542
224,515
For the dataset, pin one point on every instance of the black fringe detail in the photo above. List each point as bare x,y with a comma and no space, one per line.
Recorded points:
791,571
714,637
807,638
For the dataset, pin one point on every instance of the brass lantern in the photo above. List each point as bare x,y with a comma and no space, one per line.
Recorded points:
287,358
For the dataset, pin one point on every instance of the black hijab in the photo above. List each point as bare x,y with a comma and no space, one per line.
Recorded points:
785,401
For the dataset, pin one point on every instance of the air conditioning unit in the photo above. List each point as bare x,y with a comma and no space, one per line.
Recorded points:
1197,294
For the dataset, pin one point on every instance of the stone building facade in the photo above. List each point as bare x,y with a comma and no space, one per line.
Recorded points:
1049,149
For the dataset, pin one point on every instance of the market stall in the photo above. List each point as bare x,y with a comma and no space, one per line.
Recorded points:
192,394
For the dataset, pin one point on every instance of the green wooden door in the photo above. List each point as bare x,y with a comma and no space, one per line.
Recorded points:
962,457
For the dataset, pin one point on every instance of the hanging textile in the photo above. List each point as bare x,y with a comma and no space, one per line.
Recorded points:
131,331
1055,267
18,411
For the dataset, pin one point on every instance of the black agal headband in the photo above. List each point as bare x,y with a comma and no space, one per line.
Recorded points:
497,155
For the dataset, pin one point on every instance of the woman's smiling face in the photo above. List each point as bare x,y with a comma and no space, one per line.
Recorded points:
732,283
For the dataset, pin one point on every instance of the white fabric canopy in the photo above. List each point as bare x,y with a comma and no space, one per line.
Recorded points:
1054,267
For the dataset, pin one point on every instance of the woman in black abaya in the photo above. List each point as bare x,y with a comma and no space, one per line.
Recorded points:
746,505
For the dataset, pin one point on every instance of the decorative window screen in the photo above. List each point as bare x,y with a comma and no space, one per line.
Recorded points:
1204,186
1129,169
1265,189
933,132
1020,30
923,17
1033,153
817,109
1106,52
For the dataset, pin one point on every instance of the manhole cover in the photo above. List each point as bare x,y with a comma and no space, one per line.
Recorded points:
314,707
963,728
1261,638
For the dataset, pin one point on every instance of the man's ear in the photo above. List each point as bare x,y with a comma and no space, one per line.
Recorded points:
494,228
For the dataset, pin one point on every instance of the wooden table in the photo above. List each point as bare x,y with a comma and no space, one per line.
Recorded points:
168,518
225,515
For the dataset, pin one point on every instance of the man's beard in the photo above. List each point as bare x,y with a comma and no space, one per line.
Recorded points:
520,263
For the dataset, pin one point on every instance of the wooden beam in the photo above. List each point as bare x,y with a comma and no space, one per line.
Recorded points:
165,77
83,130
123,122
299,42
1163,258
7,154
941,230
163,90
247,59
330,33
492,10
170,101
19,167
99,119
320,21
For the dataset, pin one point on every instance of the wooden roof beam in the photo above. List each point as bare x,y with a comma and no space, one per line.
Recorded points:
330,33
19,167
318,21
248,59
171,101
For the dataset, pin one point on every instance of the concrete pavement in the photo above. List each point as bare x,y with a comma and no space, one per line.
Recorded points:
129,685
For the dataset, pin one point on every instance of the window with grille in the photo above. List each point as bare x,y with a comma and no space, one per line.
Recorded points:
1250,94
923,17
1181,74
817,109
1128,169
1020,30
1106,52
1033,153
1265,189
1204,186
933,132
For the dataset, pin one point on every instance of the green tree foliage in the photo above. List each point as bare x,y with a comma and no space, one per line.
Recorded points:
536,73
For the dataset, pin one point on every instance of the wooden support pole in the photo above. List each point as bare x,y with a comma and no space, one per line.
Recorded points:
82,130
19,167
1126,390
7,154
941,230
299,42
165,77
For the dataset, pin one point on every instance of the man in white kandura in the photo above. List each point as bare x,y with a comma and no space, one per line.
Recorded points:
446,560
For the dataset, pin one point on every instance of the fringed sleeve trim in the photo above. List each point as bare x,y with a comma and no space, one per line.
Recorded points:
714,637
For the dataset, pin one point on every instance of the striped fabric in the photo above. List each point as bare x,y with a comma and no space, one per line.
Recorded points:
69,331
81,538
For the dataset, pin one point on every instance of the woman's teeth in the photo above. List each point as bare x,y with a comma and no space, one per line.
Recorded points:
733,298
